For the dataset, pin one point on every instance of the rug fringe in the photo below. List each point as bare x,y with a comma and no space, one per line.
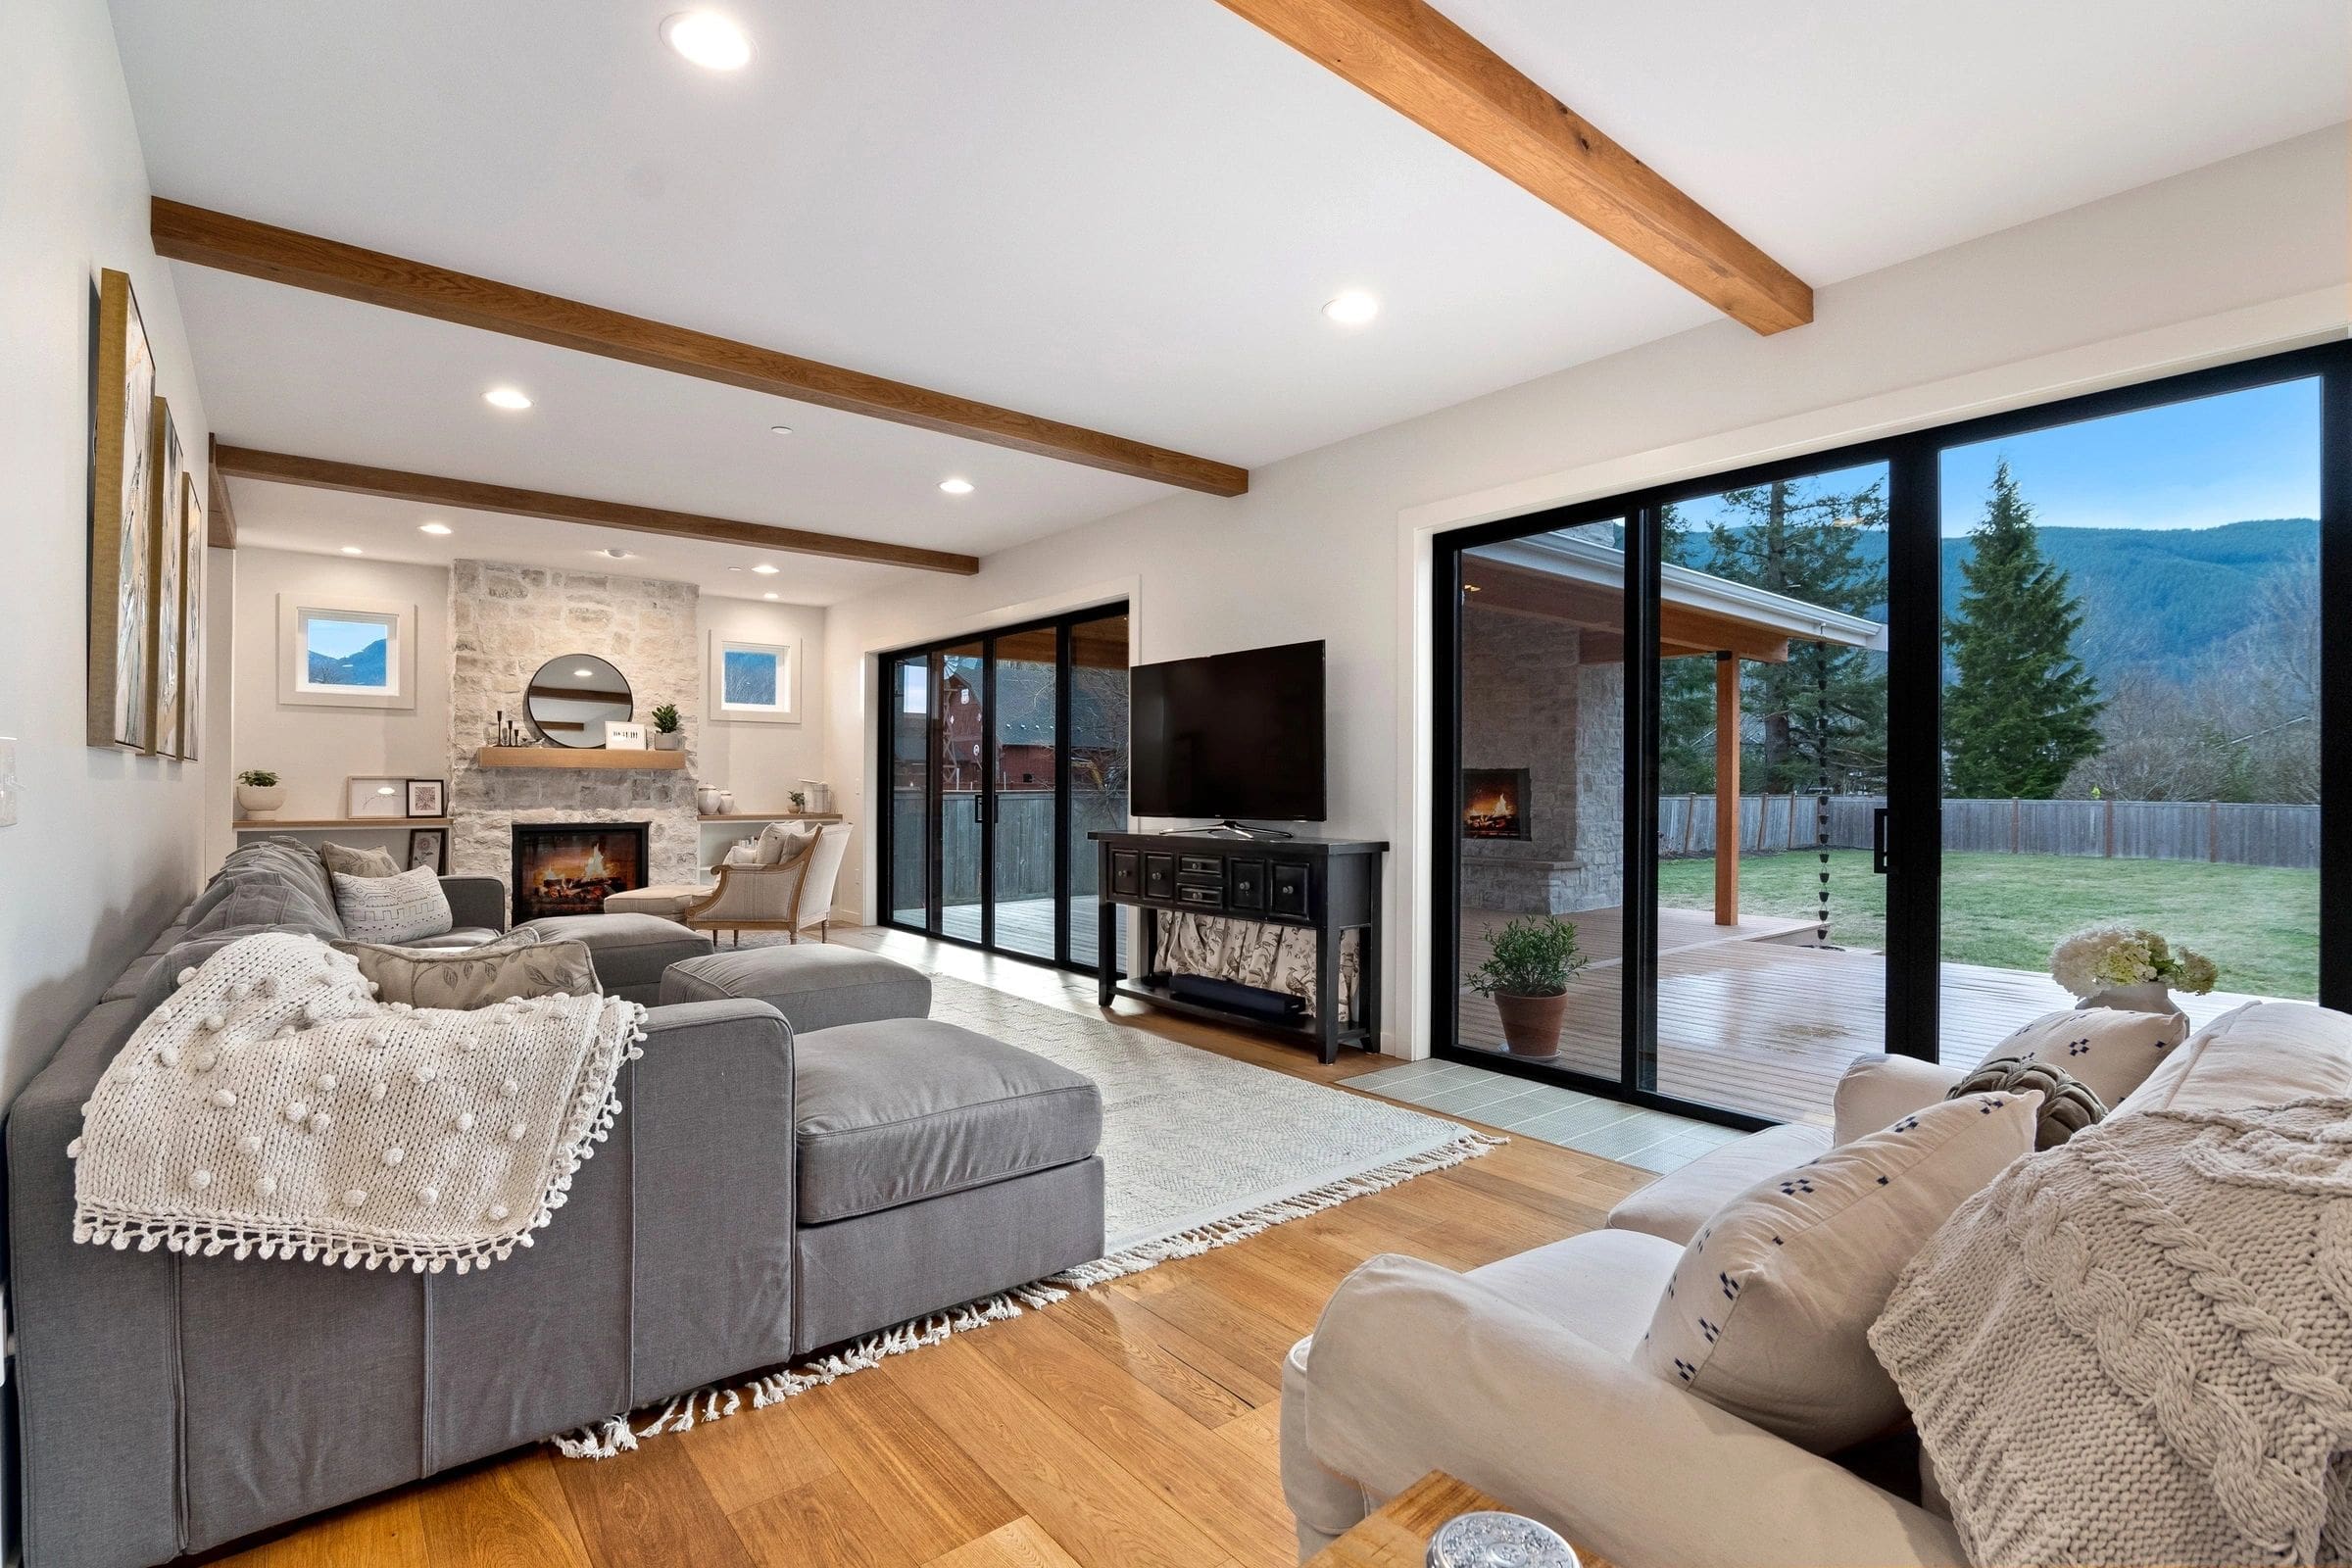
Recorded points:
616,1436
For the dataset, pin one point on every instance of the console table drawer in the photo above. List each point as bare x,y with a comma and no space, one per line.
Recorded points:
1291,888
1246,884
1159,876
1127,872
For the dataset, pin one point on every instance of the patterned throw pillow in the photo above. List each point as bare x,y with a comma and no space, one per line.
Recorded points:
2067,1103
344,861
462,979
2109,1050
392,908
1767,1312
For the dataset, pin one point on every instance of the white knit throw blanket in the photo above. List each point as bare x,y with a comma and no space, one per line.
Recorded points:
271,1106
2136,1347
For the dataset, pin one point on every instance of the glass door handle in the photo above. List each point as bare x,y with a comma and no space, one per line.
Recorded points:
1878,842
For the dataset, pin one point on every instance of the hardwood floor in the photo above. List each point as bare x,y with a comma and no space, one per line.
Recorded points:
1132,1426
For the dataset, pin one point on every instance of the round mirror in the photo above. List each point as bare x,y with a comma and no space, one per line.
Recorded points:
573,698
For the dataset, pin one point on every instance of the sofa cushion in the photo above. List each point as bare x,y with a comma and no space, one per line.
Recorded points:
2111,1050
456,935
815,986
462,979
1679,1202
629,951
393,909
351,860
2263,1053
1602,1285
1770,1304
908,1108
1876,1092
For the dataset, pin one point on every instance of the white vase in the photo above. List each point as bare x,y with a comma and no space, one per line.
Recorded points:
706,799
258,800
2147,995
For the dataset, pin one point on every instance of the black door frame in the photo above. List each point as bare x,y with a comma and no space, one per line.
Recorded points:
984,800
1914,785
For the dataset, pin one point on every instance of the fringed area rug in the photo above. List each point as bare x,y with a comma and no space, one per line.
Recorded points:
1198,1150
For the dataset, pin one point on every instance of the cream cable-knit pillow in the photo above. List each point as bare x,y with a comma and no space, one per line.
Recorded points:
392,908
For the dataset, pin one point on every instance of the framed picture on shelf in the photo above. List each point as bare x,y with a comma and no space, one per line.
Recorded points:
428,797
366,795
429,845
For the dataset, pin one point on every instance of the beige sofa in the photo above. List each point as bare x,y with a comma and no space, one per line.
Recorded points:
1518,1377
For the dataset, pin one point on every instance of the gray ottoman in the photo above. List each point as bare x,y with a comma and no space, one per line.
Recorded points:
933,1167
815,987
630,951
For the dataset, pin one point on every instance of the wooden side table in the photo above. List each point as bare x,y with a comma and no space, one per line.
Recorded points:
1398,1537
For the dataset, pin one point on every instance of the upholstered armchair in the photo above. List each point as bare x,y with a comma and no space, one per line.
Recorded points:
790,896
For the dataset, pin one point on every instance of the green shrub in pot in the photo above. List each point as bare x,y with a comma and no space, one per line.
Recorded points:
1529,963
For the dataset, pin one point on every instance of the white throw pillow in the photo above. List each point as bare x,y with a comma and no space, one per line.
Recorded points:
1768,1312
780,841
392,908
2109,1050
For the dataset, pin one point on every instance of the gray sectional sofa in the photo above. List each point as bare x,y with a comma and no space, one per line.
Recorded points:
167,1404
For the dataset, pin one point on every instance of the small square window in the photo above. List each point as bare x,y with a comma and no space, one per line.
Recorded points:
348,650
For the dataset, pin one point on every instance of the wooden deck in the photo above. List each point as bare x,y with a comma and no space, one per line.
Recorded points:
1766,1026
1023,925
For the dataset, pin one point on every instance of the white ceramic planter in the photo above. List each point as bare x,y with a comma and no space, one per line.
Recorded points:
2149,995
674,741
256,801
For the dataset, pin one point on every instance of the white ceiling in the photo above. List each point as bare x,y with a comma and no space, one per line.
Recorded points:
1124,216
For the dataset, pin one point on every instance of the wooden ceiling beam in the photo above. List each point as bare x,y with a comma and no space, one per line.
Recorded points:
322,473
232,244
1411,58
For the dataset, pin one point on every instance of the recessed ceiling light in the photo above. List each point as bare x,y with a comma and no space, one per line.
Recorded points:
1352,308
353,550
767,595
764,569
432,527
779,429
708,39
505,396
956,487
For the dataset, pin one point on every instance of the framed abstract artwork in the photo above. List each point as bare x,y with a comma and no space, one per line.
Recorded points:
428,797
119,708
169,469
429,845
191,618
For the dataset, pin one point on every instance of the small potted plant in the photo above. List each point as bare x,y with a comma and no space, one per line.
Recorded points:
2131,967
800,802
258,793
1529,965
666,736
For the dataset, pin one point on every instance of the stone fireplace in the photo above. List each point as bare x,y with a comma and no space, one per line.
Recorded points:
571,867
508,621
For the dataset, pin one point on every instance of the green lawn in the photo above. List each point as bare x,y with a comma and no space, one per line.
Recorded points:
2260,924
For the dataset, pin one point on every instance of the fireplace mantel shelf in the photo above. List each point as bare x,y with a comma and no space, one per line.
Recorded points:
578,758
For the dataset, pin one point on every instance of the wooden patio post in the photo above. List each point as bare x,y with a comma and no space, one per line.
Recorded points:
1727,789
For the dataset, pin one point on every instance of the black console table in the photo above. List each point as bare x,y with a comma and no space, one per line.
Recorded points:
1328,886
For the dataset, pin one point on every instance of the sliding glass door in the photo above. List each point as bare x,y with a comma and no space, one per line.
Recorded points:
1823,756
1003,751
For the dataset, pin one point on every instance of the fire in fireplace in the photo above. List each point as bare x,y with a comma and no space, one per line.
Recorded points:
569,868
1494,802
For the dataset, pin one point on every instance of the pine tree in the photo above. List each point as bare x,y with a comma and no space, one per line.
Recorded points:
1686,689
1825,709
2019,712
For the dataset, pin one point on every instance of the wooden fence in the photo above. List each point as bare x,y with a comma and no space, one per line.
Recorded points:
2285,836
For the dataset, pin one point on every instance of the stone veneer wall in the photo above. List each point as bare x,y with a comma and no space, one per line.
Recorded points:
505,622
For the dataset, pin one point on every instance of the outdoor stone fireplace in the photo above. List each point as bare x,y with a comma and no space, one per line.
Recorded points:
1542,775
508,621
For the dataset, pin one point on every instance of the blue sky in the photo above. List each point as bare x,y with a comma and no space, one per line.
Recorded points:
339,639
2253,454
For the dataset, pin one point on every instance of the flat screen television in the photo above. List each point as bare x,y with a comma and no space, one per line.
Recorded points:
1233,736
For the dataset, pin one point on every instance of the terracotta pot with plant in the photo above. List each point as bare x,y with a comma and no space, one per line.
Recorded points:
258,793
667,735
1529,965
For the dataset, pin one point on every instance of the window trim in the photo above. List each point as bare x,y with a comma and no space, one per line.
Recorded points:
295,611
788,682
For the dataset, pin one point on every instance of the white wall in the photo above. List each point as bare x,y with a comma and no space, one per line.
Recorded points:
764,763
1333,543
313,749
107,845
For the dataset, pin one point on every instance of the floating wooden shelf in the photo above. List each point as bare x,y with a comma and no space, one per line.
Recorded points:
648,761
771,816
265,824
